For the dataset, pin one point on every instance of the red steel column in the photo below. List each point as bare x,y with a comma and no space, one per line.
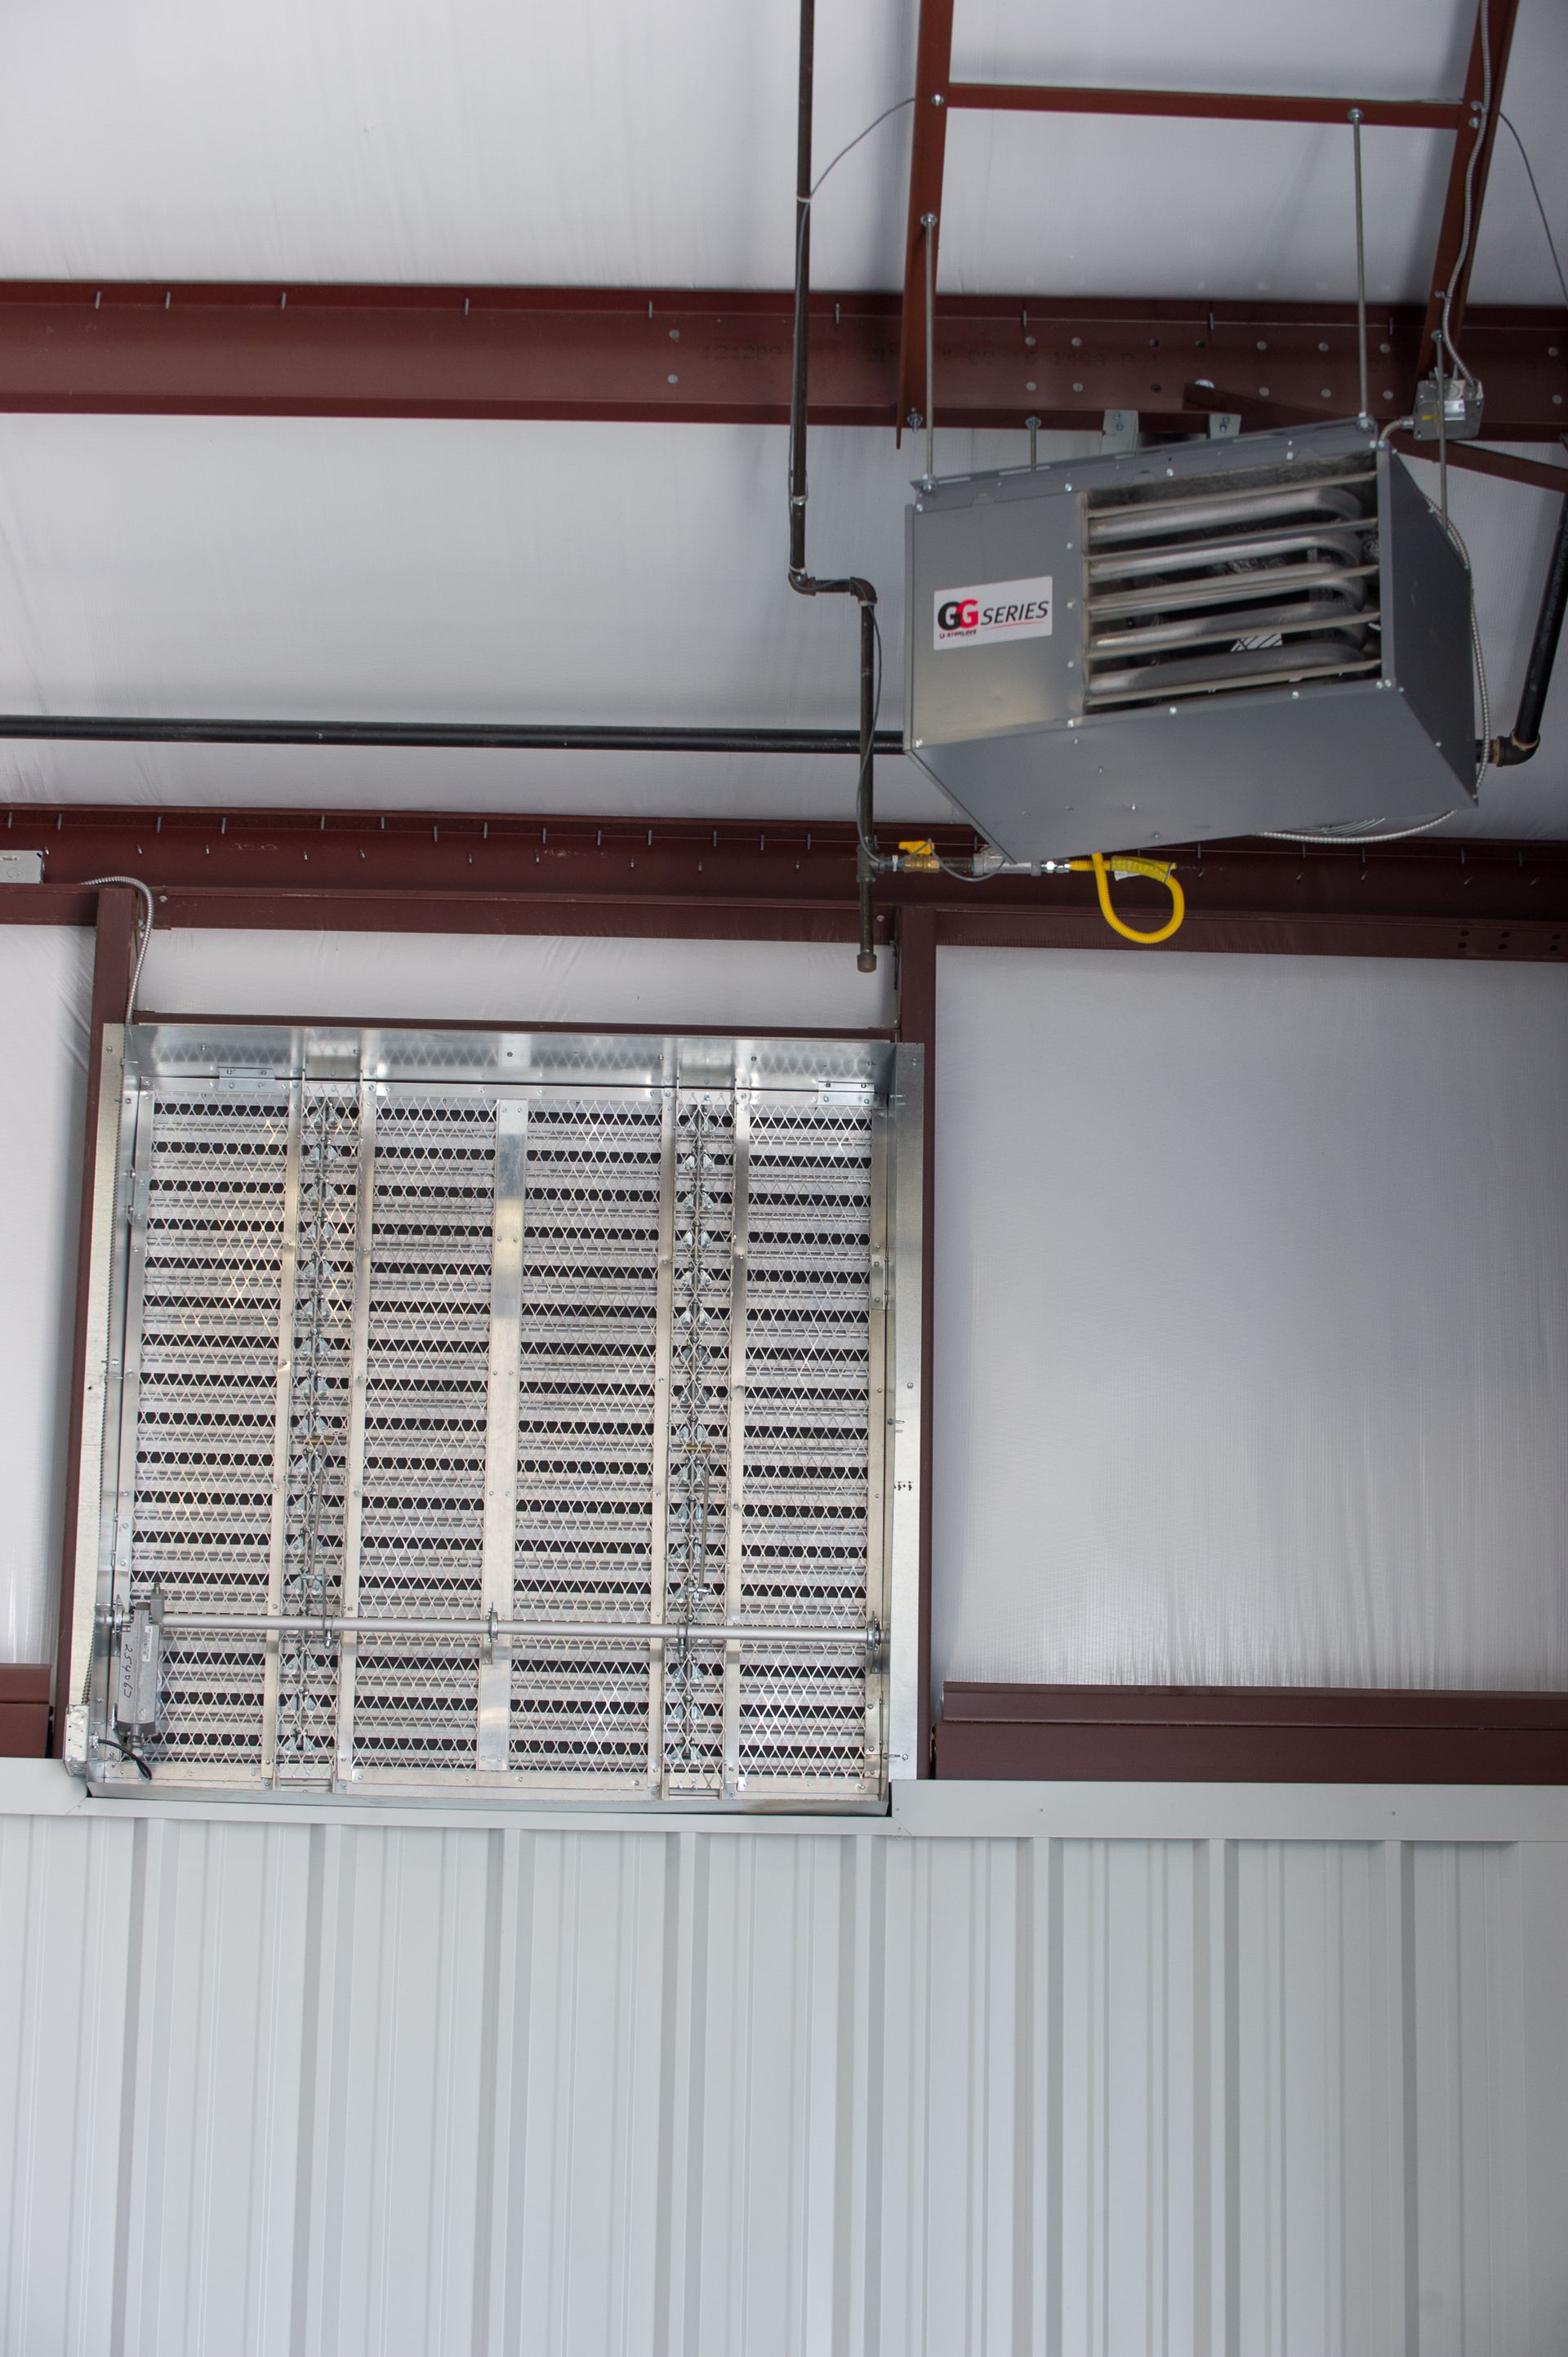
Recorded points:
1494,25
113,950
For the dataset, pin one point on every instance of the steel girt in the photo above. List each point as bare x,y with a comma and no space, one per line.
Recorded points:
564,353
456,872
1261,1734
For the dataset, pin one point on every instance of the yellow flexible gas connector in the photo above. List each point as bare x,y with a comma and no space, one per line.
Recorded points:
1126,863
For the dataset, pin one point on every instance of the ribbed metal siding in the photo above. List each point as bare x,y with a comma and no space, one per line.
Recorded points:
344,2089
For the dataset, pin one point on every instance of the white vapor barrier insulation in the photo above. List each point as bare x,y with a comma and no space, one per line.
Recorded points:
1252,1320
542,572
523,977
359,2090
45,986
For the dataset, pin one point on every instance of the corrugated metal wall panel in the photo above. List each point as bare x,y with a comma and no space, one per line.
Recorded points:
350,2088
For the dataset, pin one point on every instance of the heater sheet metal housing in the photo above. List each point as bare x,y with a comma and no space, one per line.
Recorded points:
475,1412
1004,725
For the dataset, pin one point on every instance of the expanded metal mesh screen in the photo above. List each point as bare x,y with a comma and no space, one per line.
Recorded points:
525,1433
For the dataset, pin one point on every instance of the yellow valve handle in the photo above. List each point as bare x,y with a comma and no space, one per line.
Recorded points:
1127,863
920,854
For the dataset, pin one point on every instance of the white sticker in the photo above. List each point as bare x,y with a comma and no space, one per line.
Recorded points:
996,609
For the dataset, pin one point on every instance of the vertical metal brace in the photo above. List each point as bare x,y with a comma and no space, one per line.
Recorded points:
878,1521
354,1469
929,223
735,1530
1366,414
94,1540
283,1419
493,1751
663,1363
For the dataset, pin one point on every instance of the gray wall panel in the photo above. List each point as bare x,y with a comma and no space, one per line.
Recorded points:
393,2087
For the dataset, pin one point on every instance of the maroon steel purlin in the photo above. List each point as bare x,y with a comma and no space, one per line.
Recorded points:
472,872
639,355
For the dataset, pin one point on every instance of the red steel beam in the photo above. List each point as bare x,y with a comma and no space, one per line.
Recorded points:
471,872
1202,105
633,355
1264,1733
1477,136
1476,458
1472,457
927,153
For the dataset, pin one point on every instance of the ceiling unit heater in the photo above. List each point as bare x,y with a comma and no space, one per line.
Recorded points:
1209,638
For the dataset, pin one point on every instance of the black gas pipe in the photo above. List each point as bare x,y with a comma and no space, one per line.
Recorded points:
866,857
435,735
1505,752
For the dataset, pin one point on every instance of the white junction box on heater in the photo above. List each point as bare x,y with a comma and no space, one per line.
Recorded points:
1207,639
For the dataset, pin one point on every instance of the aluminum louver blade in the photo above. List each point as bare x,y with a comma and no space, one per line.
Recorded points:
1277,580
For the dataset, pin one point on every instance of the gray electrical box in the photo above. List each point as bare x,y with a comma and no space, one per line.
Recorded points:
1208,639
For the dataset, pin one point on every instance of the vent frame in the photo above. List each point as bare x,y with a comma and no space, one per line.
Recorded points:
307,1268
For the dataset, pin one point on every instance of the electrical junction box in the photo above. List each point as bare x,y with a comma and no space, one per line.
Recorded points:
1207,639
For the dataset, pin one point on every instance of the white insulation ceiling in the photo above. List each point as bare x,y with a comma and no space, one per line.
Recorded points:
613,144
631,573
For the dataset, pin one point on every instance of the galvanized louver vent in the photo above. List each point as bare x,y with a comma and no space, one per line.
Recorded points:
497,1412
1192,593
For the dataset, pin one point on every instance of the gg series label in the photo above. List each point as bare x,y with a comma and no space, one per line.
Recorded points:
996,610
